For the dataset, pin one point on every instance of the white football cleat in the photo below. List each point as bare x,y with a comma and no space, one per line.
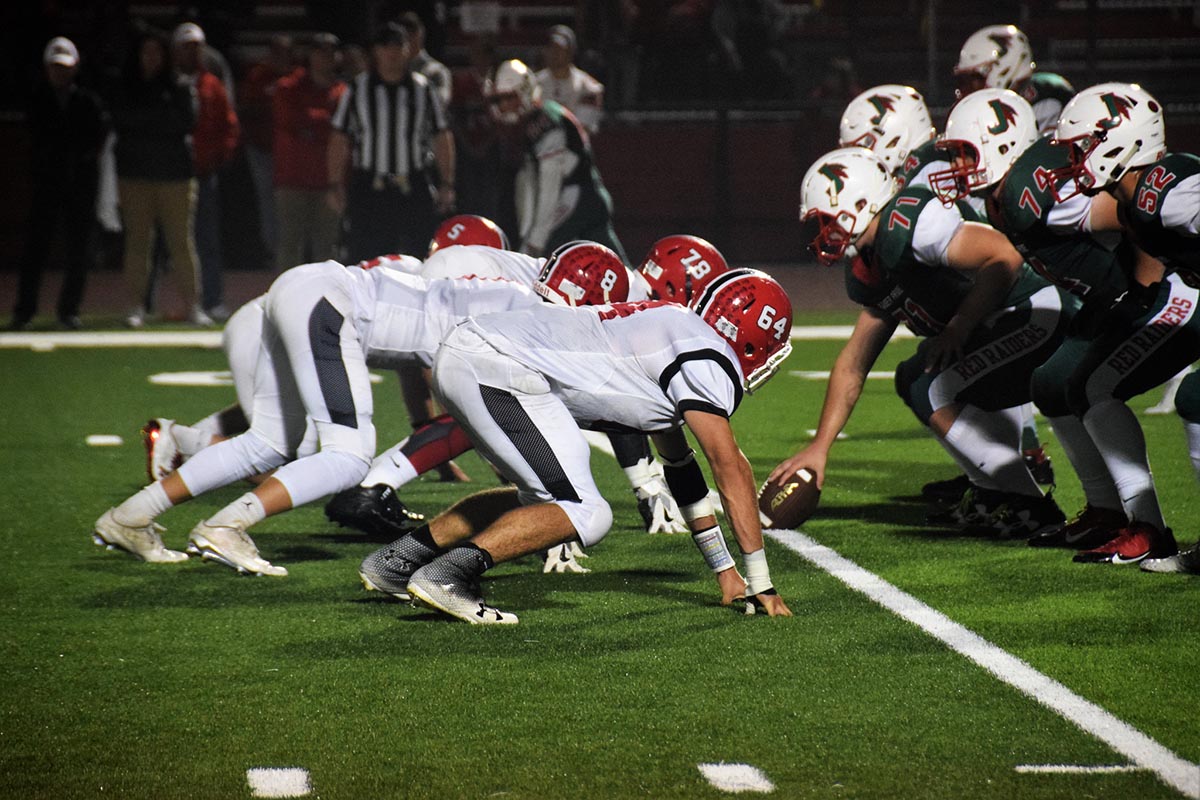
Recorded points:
561,558
231,547
145,542
162,449
455,598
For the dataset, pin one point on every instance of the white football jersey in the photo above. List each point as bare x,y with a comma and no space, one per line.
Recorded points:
460,261
622,367
579,92
411,316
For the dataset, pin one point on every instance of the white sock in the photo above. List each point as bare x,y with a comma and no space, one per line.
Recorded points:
191,439
143,507
1119,438
974,473
1089,466
391,468
1192,429
991,440
640,472
240,514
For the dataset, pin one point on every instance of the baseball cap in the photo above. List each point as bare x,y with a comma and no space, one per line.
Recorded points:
563,36
326,39
61,50
188,32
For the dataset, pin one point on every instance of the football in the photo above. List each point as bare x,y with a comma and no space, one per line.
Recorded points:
790,504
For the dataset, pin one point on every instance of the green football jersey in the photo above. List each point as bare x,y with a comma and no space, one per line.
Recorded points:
892,278
1074,261
1048,93
1144,214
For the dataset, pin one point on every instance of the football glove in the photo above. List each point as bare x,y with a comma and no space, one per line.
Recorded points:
657,507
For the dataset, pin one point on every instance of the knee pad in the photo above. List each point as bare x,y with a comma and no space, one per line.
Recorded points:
592,518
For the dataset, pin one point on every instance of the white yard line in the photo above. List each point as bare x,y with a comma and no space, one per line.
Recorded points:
736,777
1075,769
823,375
1176,772
278,782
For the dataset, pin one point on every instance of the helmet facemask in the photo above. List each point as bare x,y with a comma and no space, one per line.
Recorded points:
965,175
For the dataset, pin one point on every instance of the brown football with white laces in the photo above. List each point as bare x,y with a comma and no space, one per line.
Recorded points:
790,504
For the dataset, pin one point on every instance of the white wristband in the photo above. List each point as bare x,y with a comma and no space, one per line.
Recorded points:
758,575
711,543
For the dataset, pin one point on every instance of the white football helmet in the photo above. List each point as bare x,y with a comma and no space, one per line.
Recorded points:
1108,128
512,79
890,120
985,133
995,57
843,191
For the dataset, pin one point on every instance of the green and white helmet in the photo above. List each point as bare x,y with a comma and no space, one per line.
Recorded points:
890,120
999,56
841,193
985,133
1109,128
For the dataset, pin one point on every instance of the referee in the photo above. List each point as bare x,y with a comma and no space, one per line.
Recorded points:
391,154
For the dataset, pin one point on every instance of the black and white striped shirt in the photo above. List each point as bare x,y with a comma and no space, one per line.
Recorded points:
390,125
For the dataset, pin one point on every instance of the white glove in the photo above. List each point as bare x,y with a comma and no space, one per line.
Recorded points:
658,508
561,558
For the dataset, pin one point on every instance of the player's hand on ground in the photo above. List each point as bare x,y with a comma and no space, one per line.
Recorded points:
769,603
733,586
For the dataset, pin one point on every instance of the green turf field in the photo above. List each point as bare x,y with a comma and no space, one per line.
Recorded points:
134,680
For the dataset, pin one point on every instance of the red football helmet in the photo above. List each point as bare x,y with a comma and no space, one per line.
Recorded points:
583,274
679,267
468,229
752,311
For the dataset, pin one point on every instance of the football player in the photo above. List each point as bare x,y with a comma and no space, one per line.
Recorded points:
321,325
893,122
524,383
999,57
559,194
372,506
1115,137
1106,358
987,318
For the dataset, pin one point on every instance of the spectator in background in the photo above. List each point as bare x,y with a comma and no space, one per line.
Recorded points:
302,107
475,140
435,71
255,115
677,48
568,85
153,116
67,126
391,154
214,141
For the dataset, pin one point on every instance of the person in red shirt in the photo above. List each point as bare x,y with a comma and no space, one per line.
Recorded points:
255,93
214,141
302,107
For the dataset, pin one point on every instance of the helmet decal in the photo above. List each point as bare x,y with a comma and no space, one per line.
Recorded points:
883,104
1006,116
1118,107
837,176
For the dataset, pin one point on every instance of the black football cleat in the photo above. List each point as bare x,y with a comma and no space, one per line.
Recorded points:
373,509
947,492
1039,466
